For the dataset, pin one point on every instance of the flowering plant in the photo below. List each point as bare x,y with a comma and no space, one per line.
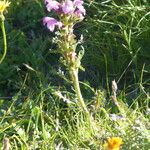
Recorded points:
68,13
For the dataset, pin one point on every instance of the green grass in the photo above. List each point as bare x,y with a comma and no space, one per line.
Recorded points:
37,103
47,122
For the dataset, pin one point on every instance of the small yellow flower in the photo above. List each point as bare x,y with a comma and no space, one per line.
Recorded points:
3,5
113,143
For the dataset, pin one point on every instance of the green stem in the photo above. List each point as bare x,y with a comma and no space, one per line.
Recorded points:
81,103
4,40
75,79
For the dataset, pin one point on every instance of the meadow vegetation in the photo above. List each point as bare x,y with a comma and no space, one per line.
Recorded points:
38,108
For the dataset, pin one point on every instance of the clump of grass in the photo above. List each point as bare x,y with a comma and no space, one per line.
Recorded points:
49,122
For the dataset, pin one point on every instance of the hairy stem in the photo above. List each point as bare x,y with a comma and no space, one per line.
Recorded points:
75,80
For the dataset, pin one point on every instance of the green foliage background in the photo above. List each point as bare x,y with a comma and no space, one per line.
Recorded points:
116,42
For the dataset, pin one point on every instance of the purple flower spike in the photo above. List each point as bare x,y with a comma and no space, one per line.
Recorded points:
51,23
68,7
52,5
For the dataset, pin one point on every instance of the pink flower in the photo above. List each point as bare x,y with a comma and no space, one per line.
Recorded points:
68,7
82,10
51,23
78,3
52,5
79,15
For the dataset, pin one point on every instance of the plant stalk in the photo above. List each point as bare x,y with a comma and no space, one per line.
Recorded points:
4,41
75,80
